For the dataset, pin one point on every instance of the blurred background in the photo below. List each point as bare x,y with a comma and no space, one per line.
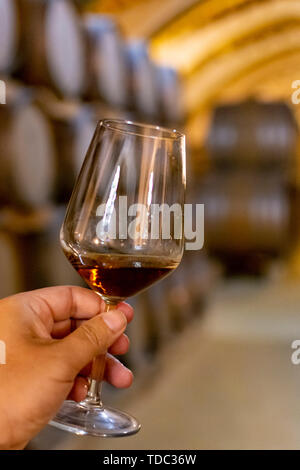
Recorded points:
211,344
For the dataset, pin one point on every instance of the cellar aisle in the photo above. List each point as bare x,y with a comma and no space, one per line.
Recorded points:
226,382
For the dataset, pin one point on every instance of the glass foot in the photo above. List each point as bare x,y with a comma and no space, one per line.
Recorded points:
94,420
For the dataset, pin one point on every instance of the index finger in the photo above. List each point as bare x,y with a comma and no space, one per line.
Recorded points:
65,302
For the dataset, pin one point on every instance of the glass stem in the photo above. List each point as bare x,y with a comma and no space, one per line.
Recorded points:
97,373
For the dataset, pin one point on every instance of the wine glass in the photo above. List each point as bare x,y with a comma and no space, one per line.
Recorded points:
122,232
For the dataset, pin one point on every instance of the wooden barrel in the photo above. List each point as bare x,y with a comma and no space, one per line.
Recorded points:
201,274
27,152
175,301
43,260
179,299
143,89
253,134
53,47
73,125
160,311
11,270
246,213
107,65
104,111
141,332
168,92
9,33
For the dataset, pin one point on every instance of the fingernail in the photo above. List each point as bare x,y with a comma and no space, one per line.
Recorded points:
115,320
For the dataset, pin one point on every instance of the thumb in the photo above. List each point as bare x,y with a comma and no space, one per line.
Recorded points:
92,338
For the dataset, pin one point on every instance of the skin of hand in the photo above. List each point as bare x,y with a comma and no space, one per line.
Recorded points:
47,360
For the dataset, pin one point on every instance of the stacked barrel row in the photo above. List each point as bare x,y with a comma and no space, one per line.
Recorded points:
80,56
250,187
63,71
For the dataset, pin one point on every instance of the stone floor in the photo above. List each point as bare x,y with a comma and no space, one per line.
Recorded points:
227,382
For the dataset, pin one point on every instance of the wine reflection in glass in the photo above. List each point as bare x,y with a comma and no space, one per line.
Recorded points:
109,238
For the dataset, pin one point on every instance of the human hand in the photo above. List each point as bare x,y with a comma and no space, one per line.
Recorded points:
46,362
